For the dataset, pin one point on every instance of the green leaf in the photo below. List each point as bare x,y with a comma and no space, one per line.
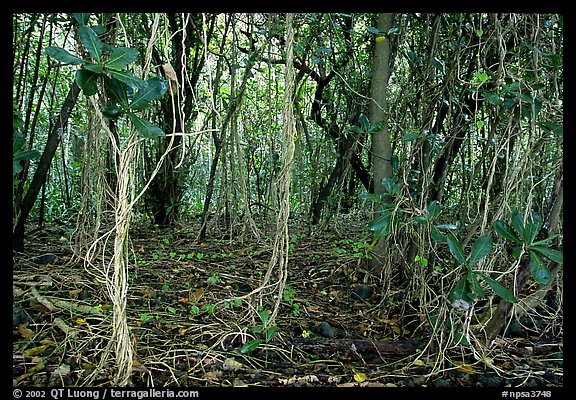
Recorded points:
154,89
26,155
145,127
391,185
456,249
539,271
82,18
476,290
381,225
518,224
433,209
87,81
437,235
481,248
264,315
499,289
251,345
91,42
411,136
17,141
549,253
271,332
121,57
128,78
112,112
117,91
531,228
516,252
503,229
364,122
62,55
96,68
461,291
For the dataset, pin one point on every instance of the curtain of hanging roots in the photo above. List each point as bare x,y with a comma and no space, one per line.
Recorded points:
279,259
114,272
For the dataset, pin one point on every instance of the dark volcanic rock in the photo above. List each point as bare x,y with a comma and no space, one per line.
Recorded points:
361,292
326,330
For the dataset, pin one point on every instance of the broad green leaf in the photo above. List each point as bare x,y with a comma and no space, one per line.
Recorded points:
456,249
121,57
545,241
503,229
369,197
251,345
364,122
549,253
96,68
111,112
499,289
16,167
271,332
82,18
391,185
117,91
264,315
87,81
518,224
62,55
154,89
552,127
381,225
493,98
17,141
411,136
460,290
481,248
420,219
434,208
437,235
531,228
539,271
517,252
91,42
145,127
128,78
26,155
476,290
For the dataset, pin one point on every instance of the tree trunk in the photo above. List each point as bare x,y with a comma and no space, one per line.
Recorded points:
43,166
381,150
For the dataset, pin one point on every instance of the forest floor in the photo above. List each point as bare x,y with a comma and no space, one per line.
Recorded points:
188,324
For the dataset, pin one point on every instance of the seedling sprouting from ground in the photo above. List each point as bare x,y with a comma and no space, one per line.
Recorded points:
268,331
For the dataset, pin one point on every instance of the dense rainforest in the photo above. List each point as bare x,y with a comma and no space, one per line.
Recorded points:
301,199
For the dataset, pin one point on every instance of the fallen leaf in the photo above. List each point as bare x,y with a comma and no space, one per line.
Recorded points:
74,293
359,377
196,295
26,333
231,364
35,351
183,300
419,363
47,342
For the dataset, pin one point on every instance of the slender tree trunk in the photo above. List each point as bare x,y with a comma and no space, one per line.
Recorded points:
381,150
44,165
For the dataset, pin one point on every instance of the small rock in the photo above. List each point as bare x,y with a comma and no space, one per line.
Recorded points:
443,383
46,259
19,316
326,330
361,292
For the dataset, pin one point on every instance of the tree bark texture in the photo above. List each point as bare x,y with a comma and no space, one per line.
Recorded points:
381,149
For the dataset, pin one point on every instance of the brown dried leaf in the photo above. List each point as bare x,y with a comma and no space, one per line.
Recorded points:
26,333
